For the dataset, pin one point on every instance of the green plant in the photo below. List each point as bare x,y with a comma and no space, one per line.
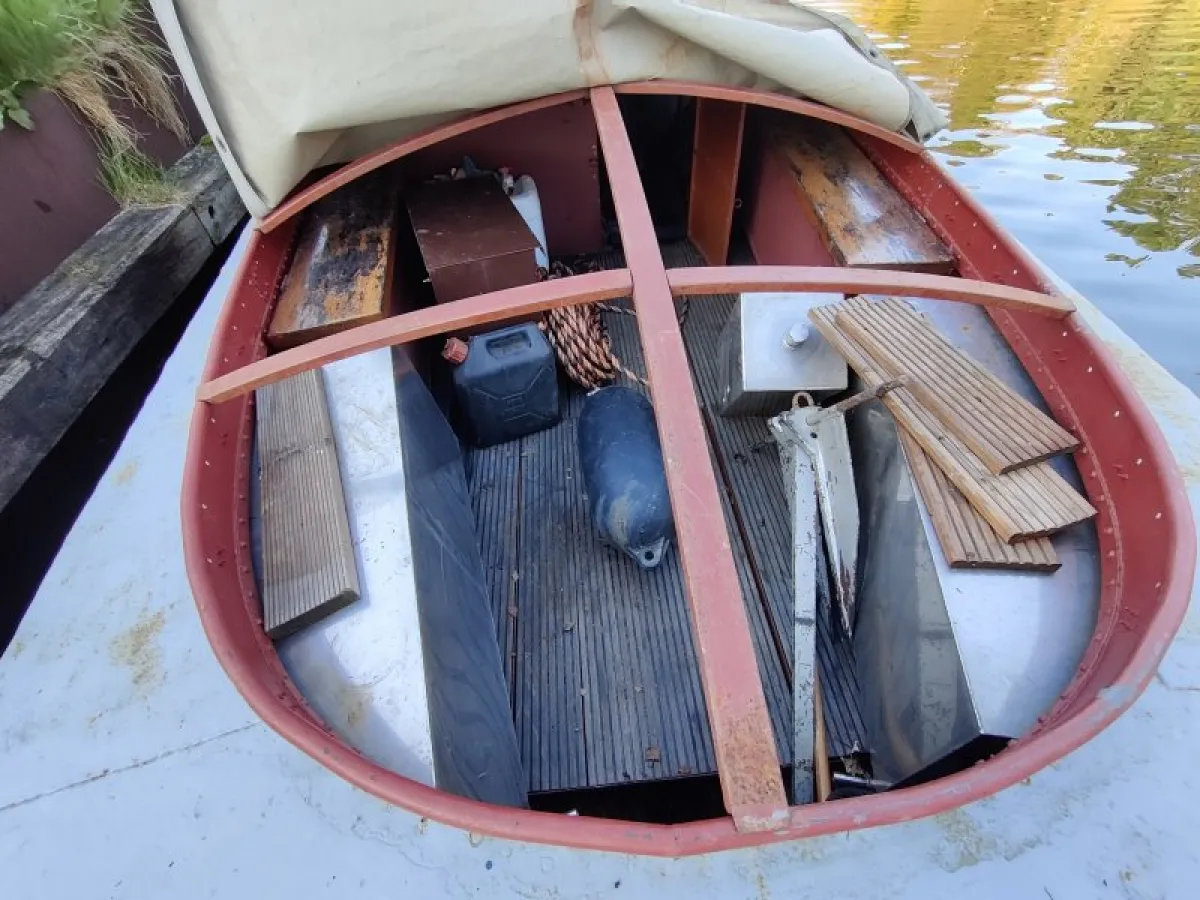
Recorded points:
133,178
11,109
89,52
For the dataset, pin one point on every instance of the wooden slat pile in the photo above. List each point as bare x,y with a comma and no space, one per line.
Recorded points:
977,449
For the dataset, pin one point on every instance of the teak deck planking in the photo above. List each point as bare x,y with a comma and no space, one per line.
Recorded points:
1001,427
309,570
1025,503
967,540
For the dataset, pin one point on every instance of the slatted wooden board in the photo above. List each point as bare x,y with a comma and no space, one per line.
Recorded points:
342,269
308,560
967,540
864,220
1000,426
1027,502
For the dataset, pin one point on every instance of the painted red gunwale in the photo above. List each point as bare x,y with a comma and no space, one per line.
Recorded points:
1145,528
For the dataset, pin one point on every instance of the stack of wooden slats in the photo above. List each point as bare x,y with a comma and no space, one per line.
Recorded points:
977,449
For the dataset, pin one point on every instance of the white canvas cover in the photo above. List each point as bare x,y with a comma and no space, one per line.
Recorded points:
285,86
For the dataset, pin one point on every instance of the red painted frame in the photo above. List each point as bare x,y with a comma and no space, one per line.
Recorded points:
686,282
733,693
1146,532
307,196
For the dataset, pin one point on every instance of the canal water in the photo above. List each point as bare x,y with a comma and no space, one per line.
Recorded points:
1077,124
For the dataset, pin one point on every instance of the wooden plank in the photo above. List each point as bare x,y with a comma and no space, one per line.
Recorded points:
308,559
1000,426
341,274
824,778
968,541
1028,502
716,153
866,223
415,325
818,279
751,782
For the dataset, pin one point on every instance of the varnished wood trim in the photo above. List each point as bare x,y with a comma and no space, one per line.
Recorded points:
836,279
432,320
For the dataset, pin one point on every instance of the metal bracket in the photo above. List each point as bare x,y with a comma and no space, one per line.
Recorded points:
822,435
815,451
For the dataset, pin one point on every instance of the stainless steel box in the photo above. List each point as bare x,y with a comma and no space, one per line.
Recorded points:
769,350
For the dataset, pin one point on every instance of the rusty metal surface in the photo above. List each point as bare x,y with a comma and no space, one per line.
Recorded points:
716,155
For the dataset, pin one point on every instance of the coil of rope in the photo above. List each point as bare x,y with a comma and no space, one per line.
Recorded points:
580,338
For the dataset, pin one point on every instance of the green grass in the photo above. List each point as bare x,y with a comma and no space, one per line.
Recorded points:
134,179
41,40
90,52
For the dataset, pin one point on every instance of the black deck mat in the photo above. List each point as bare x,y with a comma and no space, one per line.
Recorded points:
605,682
751,467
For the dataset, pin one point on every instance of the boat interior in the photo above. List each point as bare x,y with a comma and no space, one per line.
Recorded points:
904,575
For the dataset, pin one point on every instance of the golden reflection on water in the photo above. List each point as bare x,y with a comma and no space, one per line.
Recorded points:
1077,122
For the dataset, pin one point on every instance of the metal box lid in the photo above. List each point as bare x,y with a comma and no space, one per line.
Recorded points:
769,325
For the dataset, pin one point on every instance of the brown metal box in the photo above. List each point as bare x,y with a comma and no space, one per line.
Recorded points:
472,238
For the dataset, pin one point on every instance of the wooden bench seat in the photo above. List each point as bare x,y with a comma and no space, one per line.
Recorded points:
342,270
862,219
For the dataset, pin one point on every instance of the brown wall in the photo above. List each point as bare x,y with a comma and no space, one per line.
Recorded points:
51,195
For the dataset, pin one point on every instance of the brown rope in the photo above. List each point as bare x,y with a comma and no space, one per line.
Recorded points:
580,339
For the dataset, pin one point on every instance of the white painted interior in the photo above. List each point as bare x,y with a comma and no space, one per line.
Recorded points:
362,669
131,768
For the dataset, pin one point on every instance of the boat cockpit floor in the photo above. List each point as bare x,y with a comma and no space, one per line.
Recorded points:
598,653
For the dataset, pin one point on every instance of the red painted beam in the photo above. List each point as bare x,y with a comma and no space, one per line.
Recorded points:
716,156
432,320
769,100
836,279
737,709
306,197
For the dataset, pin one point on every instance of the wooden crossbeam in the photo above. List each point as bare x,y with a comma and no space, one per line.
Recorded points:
308,559
835,279
432,320
747,764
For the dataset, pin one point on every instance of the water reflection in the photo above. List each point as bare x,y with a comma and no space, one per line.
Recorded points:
1077,122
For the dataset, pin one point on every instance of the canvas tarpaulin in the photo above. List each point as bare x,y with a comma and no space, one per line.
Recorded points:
285,86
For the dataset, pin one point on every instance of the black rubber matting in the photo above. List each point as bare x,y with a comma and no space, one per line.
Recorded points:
599,653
